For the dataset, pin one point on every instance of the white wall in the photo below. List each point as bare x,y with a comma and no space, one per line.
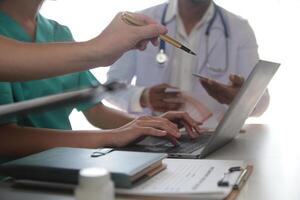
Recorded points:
275,22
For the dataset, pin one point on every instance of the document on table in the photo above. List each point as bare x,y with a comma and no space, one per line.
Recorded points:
188,178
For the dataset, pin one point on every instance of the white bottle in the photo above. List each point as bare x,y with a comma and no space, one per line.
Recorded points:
94,184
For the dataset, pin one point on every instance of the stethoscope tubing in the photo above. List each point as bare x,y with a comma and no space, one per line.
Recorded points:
162,44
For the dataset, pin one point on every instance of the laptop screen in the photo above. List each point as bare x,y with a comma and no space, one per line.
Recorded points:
242,106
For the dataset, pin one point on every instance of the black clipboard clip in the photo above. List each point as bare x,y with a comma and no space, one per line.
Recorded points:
240,180
101,152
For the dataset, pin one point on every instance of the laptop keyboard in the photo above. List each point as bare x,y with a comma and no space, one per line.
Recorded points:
188,146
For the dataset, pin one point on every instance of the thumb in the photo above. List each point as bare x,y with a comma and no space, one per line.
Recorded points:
151,31
236,80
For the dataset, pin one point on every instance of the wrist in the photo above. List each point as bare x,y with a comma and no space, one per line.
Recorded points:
102,50
113,138
95,52
107,138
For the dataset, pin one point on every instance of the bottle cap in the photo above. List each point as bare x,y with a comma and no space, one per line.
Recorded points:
93,177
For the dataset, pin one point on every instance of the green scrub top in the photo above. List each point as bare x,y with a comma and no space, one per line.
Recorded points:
11,92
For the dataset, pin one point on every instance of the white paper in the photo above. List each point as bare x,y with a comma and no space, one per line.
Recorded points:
188,178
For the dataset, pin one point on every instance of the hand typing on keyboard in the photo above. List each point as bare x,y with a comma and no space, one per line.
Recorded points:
183,119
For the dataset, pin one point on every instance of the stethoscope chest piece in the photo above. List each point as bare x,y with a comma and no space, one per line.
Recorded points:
161,57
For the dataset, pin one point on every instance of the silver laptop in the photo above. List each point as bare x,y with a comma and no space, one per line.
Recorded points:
228,128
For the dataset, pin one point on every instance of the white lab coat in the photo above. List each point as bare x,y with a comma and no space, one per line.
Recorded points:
242,52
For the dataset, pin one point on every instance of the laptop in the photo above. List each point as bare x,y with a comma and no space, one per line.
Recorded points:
228,128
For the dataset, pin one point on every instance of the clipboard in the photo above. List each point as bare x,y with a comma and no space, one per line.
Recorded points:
231,196
235,192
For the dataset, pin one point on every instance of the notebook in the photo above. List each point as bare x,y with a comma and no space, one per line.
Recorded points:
62,165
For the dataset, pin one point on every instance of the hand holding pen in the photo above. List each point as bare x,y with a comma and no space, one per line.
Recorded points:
131,19
119,37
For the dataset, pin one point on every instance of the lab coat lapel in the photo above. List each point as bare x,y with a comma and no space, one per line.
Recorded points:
166,73
201,50
215,36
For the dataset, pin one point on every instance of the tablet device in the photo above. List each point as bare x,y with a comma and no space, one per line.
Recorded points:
92,94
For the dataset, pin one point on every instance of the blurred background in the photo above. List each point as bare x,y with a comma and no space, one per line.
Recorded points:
275,23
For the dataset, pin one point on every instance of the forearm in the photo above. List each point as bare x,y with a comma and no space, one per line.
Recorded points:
35,61
22,61
107,118
20,141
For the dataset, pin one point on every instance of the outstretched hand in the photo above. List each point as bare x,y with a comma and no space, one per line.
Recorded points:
223,93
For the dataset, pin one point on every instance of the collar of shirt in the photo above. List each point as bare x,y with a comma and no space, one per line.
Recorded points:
172,13
45,31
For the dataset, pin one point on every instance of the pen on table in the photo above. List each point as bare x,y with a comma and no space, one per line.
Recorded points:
130,19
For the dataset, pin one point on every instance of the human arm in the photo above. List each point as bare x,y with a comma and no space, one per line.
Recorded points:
19,141
223,93
158,98
23,61
135,99
106,118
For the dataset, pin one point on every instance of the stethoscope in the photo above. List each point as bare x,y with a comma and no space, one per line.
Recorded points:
162,56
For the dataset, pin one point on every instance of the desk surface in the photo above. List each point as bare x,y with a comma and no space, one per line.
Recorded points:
274,153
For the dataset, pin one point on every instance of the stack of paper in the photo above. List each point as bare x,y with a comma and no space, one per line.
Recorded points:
188,179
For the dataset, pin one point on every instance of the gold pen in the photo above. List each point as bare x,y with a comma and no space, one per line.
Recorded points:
130,19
